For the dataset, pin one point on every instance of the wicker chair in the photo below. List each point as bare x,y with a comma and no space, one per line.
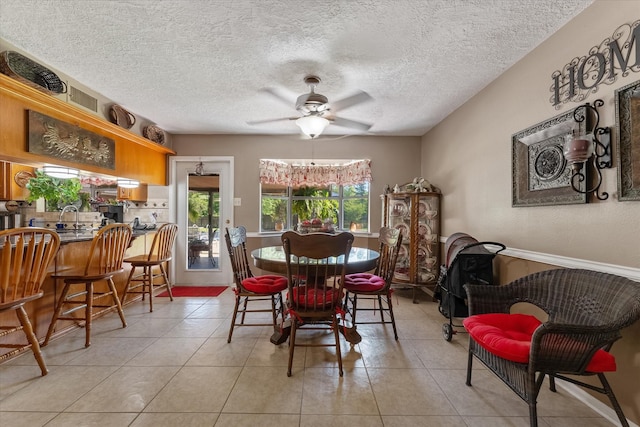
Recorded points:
586,311
376,286
316,266
25,255
159,256
250,288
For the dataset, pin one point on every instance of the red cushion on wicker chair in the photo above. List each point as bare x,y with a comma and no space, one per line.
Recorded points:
266,284
509,336
315,297
363,282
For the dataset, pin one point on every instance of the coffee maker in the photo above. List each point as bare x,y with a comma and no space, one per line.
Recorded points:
112,213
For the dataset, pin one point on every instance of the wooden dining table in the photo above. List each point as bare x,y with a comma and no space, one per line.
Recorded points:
272,259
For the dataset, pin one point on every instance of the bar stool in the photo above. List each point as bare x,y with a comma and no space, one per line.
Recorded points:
25,254
104,261
159,255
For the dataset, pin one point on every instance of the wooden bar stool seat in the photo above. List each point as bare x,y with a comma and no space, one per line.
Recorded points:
159,255
25,254
104,261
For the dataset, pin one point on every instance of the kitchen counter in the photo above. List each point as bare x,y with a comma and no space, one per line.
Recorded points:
70,236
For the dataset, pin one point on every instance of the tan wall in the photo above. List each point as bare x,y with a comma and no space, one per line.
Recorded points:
393,160
469,156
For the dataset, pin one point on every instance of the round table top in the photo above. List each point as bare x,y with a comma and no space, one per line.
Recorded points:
271,258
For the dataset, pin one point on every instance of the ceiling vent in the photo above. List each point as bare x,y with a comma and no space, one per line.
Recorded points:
84,99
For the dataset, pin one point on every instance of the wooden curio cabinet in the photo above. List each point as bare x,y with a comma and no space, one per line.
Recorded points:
417,216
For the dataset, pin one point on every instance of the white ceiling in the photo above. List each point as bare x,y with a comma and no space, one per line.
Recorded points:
197,66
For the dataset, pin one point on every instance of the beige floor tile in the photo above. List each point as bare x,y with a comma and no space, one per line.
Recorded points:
312,420
145,328
440,354
217,352
182,419
212,311
196,328
57,390
423,421
576,422
129,389
92,419
26,419
388,353
265,353
502,422
110,351
408,392
265,390
167,352
196,389
262,420
325,392
165,309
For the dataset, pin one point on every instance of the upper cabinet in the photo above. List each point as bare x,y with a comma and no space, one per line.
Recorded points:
138,194
13,180
17,99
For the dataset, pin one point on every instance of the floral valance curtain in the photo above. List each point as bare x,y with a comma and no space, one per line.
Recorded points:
293,175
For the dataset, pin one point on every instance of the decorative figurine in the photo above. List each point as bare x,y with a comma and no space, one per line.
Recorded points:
396,188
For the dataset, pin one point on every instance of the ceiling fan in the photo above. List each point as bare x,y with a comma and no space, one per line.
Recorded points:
316,111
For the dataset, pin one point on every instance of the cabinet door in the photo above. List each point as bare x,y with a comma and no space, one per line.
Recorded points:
13,181
398,216
5,181
428,238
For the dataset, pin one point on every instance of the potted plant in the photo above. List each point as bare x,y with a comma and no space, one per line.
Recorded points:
53,190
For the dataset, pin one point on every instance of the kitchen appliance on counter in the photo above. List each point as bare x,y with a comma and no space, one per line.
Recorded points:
113,213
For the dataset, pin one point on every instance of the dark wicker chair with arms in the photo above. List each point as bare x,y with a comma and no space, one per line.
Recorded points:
316,267
586,311
25,255
250,288
104,261
376,286
159,256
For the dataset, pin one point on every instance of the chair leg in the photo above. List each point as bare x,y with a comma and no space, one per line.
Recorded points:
126,288
469,366
354,309
381,309
31,337
292,344
336,335
88,313
614,402
56,313
116,301
233,318
391,315
166,280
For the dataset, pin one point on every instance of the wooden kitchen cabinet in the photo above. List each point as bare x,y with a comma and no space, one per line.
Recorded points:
138,194
13,180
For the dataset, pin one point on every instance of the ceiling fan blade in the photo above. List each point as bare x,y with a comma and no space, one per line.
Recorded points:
351,124
279,94
349,101
258,122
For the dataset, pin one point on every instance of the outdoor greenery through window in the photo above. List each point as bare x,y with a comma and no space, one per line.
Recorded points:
285,206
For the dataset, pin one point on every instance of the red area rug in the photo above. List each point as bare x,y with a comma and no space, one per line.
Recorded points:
194,291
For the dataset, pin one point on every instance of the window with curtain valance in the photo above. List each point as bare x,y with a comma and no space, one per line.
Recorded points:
295,192
296,173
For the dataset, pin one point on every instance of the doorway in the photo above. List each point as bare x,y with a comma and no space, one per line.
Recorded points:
203,200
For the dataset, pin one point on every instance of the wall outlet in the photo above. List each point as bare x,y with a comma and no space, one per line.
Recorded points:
237,201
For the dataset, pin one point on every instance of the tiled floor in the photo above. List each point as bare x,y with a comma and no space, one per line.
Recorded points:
173,367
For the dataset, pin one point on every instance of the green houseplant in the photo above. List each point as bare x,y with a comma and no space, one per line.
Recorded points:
53,190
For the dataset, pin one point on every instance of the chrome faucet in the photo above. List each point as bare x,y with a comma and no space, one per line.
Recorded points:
68,208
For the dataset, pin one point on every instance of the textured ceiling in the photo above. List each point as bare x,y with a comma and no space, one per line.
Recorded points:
199,66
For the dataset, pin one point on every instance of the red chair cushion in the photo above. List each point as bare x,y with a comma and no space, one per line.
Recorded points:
363,282
315,297
267,284
509,336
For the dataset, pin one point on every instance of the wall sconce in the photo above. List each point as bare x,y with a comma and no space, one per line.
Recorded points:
61,172
312,125
128,183
579,149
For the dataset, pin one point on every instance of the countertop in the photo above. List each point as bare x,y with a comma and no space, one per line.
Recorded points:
70,236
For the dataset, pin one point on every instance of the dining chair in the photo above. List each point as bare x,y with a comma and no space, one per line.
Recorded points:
104,260
154,266
585,312
316,267
25,255
249,288
375,286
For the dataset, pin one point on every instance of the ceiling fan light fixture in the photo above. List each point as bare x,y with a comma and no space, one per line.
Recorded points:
312,126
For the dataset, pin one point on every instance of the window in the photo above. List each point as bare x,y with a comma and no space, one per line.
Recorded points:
293,193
